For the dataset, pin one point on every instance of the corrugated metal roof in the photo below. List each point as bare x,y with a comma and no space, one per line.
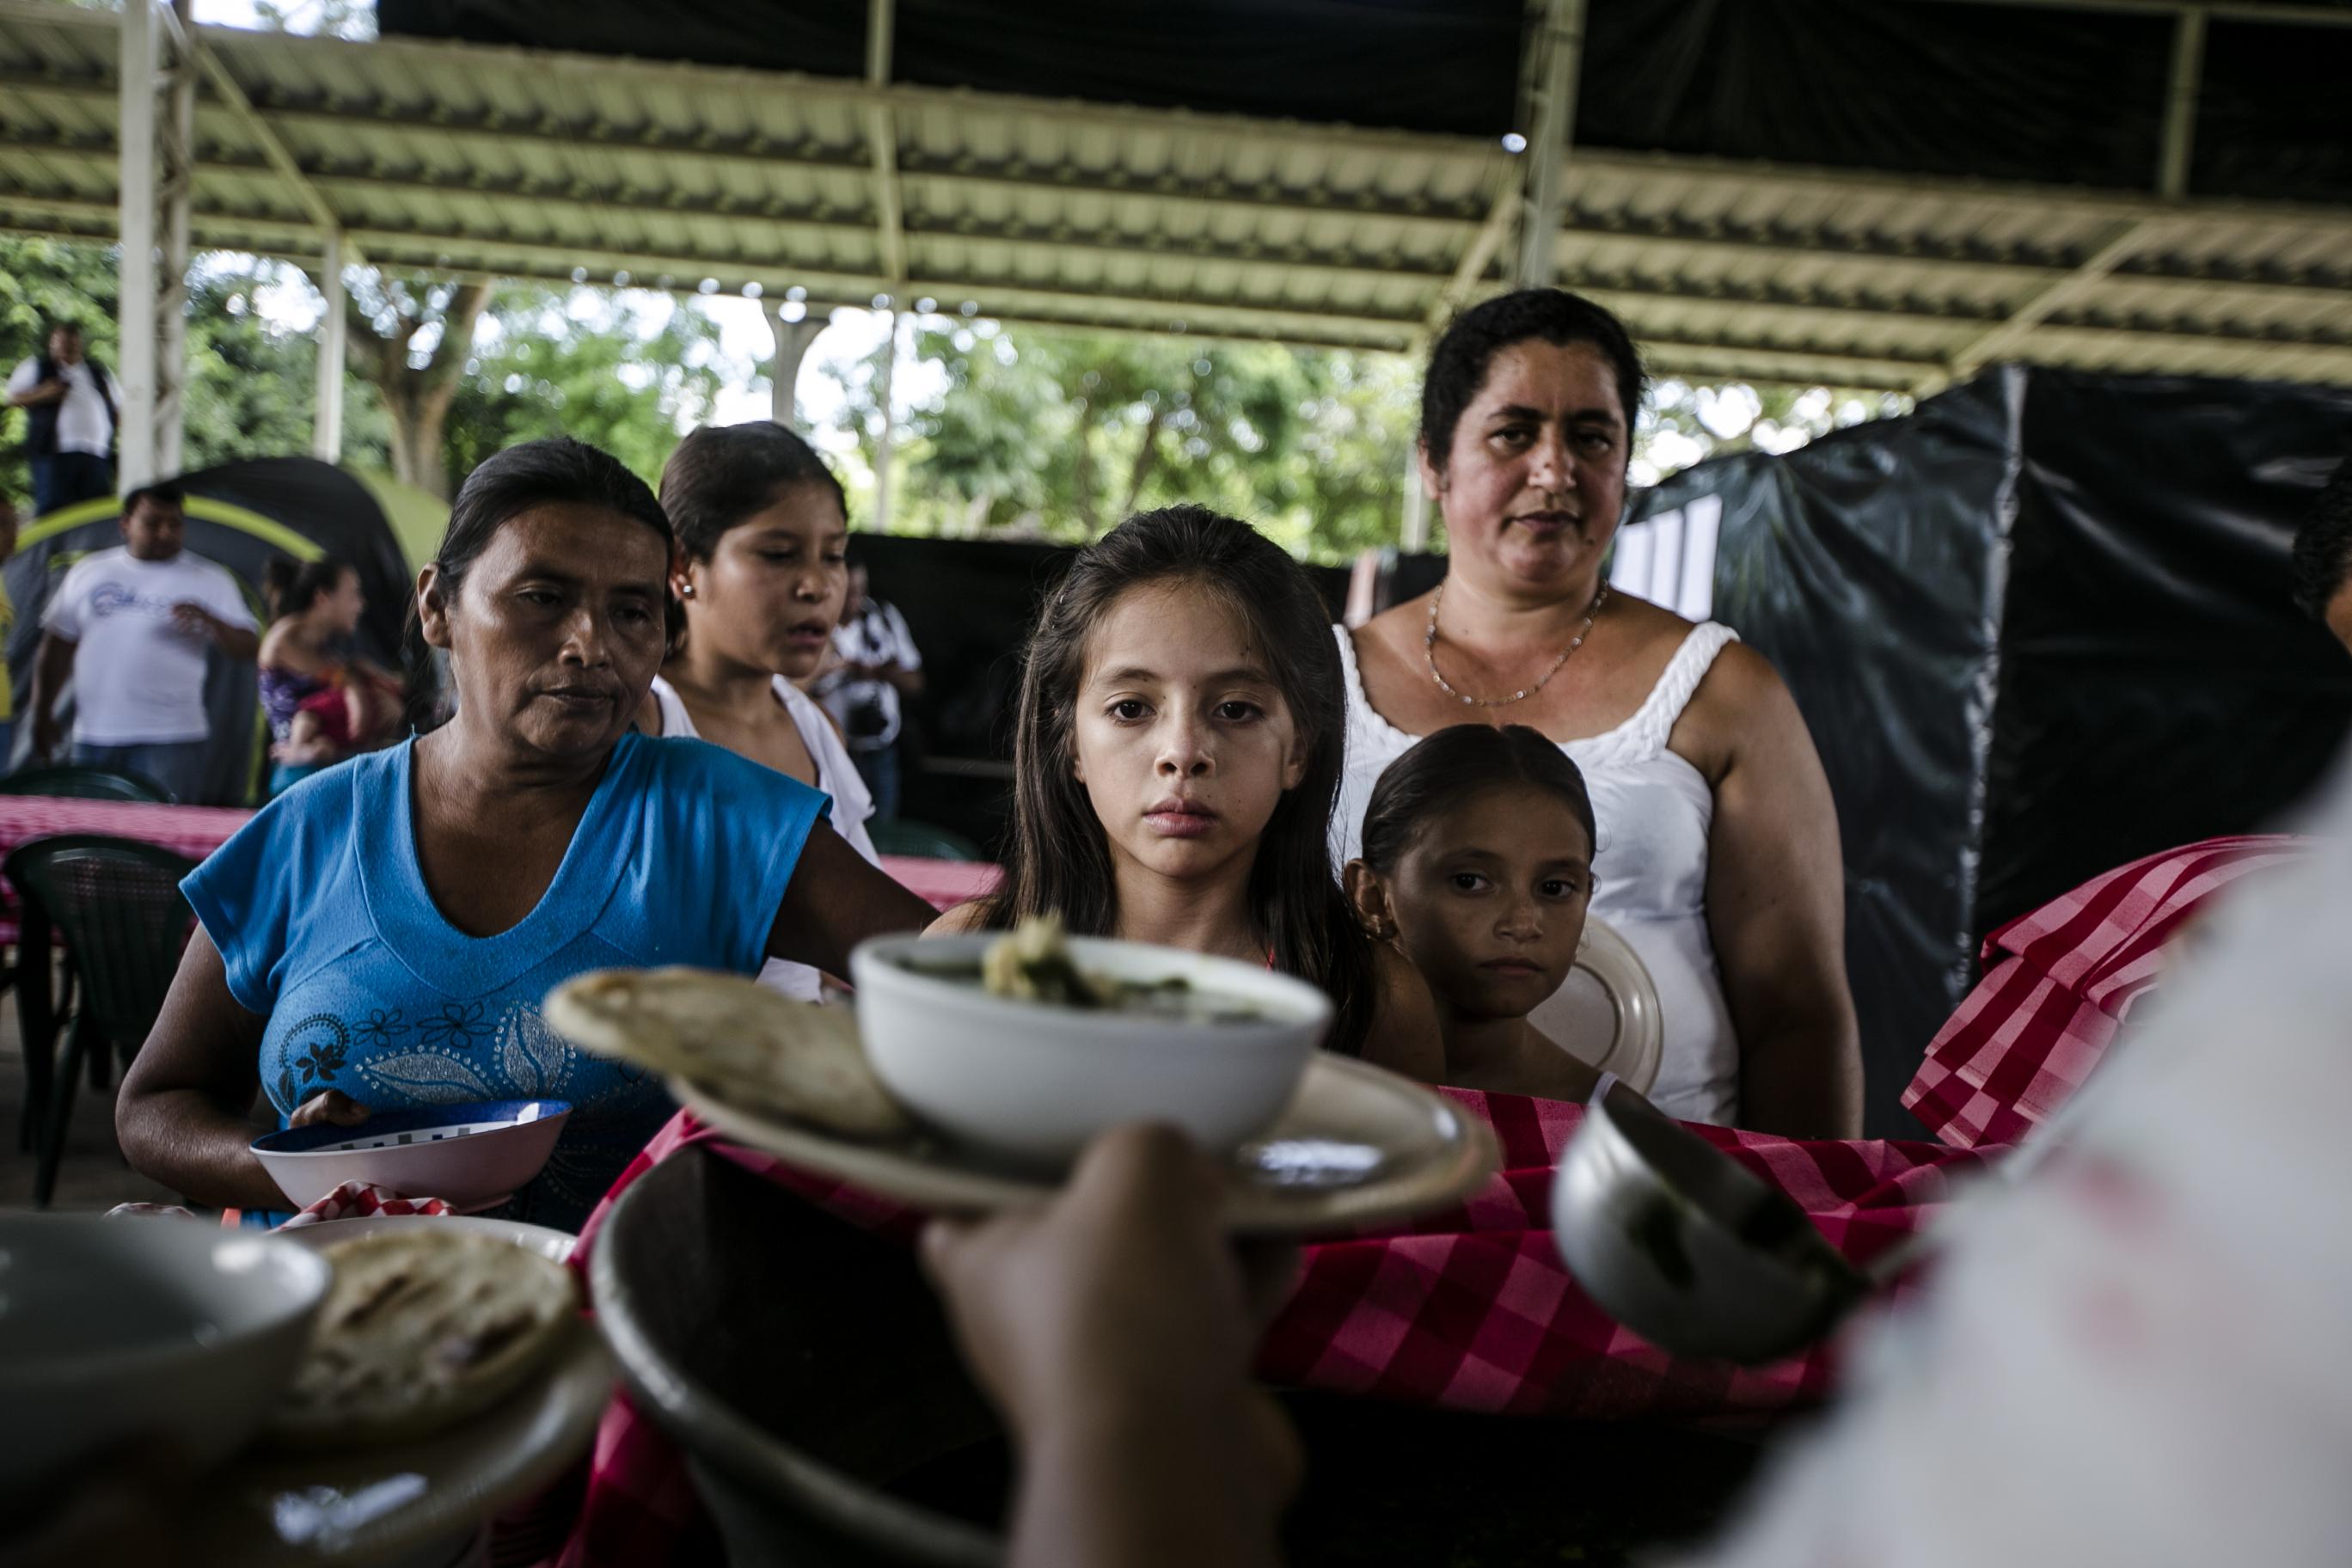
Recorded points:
540,165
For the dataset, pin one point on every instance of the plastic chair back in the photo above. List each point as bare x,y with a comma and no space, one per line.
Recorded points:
1606,1012
116,902
84,784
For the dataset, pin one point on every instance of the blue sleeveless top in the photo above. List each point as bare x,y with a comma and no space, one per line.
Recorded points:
320,912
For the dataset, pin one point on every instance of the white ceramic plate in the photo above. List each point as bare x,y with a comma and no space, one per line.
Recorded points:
1358,1146
415,1501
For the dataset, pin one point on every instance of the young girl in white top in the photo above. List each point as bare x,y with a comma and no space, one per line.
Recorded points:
1478,867
760,574
1176,751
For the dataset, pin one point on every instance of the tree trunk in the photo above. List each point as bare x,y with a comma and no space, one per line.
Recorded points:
1146,458
416,454
417,397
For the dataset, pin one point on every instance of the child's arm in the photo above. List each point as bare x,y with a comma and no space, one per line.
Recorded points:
306,742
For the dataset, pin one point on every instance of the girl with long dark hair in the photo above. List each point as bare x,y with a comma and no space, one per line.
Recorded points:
1176,754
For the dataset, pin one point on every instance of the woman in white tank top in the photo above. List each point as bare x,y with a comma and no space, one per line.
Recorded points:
1718,855
759,578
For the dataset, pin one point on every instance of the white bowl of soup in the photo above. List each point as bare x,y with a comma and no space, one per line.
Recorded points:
113,1329
1208,1045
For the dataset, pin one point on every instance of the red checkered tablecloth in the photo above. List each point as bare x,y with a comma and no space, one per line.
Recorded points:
2058,982
1470,1310
194,831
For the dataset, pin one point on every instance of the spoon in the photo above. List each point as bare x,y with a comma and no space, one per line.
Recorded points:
1678,1242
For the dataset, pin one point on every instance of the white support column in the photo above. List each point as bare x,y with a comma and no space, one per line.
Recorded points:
880,522
793,341
1560,45
327,423
142,52
882,138
176,169
1414,536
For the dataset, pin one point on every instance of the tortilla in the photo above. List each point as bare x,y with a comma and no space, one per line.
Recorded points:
755,1049
423,1328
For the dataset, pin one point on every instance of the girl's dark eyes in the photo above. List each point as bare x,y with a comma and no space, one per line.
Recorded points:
1237,711
542,597
1559,888
1129,710
1468,882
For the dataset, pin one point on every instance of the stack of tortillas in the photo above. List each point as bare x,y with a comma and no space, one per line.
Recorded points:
424,1327
754,1048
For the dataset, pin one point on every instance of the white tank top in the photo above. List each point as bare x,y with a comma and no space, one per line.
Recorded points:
1654,810
835,774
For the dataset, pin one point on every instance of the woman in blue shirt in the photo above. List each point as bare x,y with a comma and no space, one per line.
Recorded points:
382,934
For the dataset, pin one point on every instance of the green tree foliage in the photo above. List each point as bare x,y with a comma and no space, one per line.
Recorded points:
622,372
250,381
1038,433
1059,435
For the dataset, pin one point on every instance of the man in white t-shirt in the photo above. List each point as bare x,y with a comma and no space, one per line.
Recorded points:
131,628
71,408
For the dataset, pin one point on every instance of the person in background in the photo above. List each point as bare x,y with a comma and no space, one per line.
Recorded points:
311,682
131,627
7,630
72,408
758,575
2323,557
876,665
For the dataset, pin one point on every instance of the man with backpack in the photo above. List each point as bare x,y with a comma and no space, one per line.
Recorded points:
72,408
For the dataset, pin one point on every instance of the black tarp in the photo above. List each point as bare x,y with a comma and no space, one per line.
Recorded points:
1450,67
2038,628
242,515
1962,90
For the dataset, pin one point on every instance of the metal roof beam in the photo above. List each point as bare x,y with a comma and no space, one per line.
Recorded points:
1630,292
2222,10
1583,232
1669,354
1742,176
1559,46
882,139
273,148
1971,356
2181,104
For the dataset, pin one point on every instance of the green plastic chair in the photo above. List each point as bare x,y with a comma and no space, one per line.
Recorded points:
118,903
921,840
84,784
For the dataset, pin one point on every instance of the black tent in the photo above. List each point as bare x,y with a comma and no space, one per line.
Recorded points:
2040,627
242,515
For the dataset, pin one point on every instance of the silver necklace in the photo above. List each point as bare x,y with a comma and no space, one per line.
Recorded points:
1429,652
